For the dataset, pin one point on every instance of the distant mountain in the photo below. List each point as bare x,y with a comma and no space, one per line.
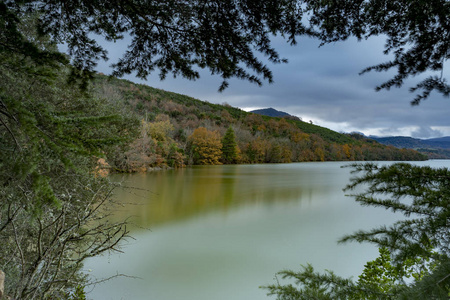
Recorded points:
271,112
442,139
434,148
443,142
400,142
412,143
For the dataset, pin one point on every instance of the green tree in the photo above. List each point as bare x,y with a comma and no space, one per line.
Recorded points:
172,36
52,206
223,36
384,279
418,246
417,35
229,147
50,197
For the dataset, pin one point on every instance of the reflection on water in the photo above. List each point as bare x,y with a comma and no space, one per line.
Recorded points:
161,197
220,232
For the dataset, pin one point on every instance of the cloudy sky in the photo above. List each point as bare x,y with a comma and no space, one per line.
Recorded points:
322,85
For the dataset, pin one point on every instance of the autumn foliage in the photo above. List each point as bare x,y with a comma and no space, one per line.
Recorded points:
178,130
206,147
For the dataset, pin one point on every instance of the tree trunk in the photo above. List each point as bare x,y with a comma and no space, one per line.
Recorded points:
2,283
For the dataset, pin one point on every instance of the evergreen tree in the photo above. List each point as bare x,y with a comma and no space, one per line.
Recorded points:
417,36
53,207
223,36
417,247
172,36
229,147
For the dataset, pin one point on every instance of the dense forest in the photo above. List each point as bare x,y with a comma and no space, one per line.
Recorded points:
178,130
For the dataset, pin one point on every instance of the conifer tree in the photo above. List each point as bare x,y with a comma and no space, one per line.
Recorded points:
229,147
227,36
417,247
53,207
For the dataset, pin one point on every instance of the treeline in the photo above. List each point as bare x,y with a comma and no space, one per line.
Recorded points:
177,130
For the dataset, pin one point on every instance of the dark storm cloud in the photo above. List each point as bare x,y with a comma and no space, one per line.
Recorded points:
323,85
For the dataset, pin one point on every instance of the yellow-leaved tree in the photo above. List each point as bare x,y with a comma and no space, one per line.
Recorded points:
205,147
161,129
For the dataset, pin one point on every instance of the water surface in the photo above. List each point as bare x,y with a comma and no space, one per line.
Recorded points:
220,232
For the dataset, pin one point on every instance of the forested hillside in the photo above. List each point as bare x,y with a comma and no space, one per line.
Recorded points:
178,130
437,148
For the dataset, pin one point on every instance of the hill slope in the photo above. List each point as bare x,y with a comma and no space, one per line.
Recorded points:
178,130
443,142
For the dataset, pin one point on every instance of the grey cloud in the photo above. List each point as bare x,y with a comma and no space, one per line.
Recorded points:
323,83
426,132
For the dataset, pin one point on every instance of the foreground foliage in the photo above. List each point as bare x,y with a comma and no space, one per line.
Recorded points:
53,206
228,37
417,247
417,37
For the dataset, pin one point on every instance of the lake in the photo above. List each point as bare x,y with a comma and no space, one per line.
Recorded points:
220,232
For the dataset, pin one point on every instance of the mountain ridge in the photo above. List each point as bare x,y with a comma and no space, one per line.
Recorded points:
270,112
437,148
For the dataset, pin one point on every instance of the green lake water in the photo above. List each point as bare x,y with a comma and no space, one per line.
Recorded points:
220,232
